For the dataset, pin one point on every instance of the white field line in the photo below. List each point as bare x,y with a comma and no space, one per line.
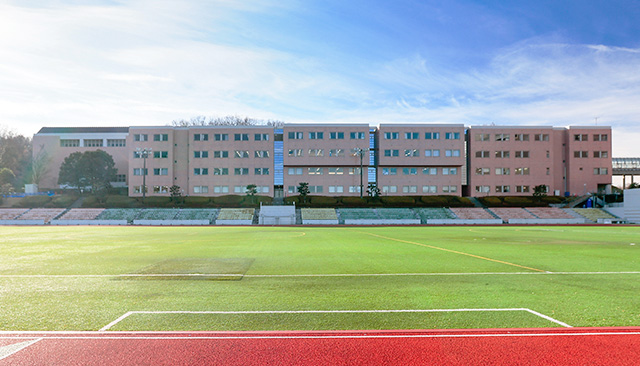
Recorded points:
6,351
133,275
129,313
191,336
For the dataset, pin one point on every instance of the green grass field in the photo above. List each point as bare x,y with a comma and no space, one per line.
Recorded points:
299,278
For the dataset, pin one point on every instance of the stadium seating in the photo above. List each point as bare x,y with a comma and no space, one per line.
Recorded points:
11,213
82,214
157,214
396,213
236,214
128,214
318,214
471,213
46,214
508,213
594,214
549,213
197,214
435,214
357,214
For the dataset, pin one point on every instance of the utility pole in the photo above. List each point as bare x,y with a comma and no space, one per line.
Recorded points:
360,152
144,154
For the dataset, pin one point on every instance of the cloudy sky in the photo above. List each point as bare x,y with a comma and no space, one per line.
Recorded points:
148,62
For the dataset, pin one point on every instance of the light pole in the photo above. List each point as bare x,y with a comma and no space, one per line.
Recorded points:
360,152
144,154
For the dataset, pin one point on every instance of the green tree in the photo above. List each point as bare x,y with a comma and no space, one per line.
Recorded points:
251,192
373,191
94,169
303,190
6,176
634,185
15,153
539,191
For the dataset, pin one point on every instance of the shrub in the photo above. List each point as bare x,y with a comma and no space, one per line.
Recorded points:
91,202
198,202
291,200
398,201
121,202
435,201
461,202
491,201
322,201
62,201
156,201
228,200
33,201
354,202
518,201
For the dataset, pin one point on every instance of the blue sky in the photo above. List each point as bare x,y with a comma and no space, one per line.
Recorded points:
148,62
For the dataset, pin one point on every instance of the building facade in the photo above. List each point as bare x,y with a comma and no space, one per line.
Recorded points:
342,159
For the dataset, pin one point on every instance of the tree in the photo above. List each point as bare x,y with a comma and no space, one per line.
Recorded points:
224,121
251,191
373,191
175,194
94,169
539,191
303,190
39,166
634,185
15,153
7,176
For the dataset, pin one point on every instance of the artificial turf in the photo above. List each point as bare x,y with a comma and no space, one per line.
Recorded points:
70,278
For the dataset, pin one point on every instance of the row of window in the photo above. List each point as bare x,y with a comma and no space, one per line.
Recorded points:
596,137
507,137
416,135
503,189
425,171
205,189
93,143
505,171
414,189
504,154
334,153
204,171
320,135
416,153
585,154
320,171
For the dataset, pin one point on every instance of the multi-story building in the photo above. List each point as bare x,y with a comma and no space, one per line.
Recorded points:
341,159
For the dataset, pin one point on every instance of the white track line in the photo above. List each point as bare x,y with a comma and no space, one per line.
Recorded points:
6,351
134,275
129,313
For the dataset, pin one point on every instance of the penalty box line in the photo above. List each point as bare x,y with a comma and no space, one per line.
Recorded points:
129,313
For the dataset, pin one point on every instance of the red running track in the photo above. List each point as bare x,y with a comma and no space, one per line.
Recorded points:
541,346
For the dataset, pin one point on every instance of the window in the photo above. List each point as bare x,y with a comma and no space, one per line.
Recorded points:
220,154
262,189
93,142
429,189
336,152
291,189
354,171
389,189
449,171
221,189
449,189
69,143
522,154
389,171
483,189
503,171
200,154
160,171
600,154
600,171
430,171
600,137
241,154
295,135
261,137
315,171
336,135
409,189
482,154
356,135
241,137
410,171
580,154
121,178
160,137
140,137
482,137
336,171
432,135
200,171
294,171
411,135
452,135
581,137
221,137
483,171
238,189
502,154
502,137
161,154
138,171
411,152
503,189
315,189
541,137
116,142
391,135
452,153
138,189
354,189
137,154
521,171
261,171
201,189
201,137
220,171
295,152
521,137
336,189
391,153
316,135
261,153
522,189
316,152
432,153
240,171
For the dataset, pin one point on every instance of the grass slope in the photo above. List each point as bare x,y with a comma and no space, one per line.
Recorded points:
495,257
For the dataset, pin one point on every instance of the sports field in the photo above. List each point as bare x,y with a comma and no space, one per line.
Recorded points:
300,278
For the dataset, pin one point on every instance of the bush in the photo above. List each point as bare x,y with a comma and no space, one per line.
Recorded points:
519,201
62,201
292,199
197,202
461,202
156,201
322,201
490,201
435,201
227,201
33,201
354,202
122,202
92,202
398,201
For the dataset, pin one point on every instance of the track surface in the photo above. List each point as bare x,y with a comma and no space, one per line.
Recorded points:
541,346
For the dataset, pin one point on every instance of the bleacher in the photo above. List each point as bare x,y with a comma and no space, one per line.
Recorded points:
595,214
197,214
157,214
127,214
430,214
512,213
396,213
379,216
357,214
235,216
11,213
46,214
471,213
549,213
82,214
319,216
